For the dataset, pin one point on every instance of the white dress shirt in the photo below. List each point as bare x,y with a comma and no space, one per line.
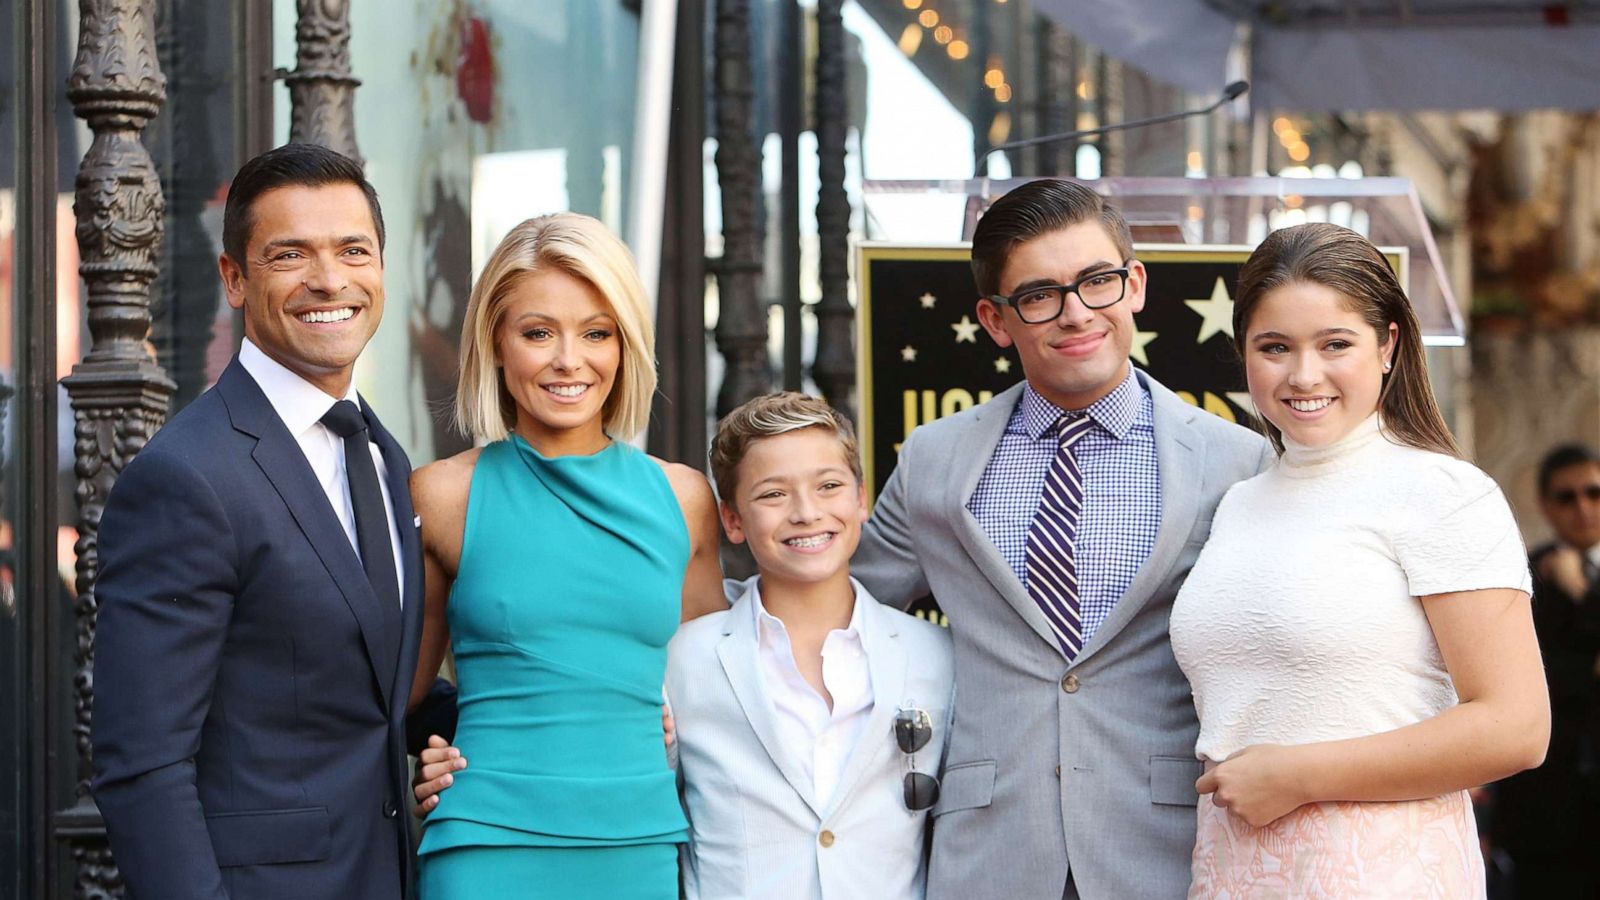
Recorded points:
301,405
821,739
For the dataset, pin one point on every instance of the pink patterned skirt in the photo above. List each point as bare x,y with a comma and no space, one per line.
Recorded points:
1420,848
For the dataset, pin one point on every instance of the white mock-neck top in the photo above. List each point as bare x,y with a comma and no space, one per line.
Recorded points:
1301,620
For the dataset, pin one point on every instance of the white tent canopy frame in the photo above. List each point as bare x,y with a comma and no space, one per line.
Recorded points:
1314,55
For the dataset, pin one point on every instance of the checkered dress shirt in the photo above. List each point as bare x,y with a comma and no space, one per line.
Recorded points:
1122,491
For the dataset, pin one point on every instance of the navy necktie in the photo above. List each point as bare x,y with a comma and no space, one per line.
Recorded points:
366,499
1052,540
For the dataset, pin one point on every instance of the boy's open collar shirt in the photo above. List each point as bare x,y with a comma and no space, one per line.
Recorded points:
819,739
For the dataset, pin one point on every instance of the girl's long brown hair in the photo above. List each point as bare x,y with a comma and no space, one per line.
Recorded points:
1343,260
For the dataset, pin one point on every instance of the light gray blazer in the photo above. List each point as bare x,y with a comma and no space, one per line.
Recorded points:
1088,766
753,832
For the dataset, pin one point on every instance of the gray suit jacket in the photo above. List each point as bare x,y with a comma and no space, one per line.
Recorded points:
753,830
1088,766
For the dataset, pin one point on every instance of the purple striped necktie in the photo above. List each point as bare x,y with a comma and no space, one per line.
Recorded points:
1052,539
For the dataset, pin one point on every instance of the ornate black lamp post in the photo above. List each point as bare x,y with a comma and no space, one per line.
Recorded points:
119,393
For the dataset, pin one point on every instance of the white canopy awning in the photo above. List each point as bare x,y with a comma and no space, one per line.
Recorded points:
1359,54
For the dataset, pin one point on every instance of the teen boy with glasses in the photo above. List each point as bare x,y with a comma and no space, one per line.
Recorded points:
1055,524
811,719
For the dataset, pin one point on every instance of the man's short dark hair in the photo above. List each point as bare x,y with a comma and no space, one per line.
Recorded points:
302,165
1564,457
1035,208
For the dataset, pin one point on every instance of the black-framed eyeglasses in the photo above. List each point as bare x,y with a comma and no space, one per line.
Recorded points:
913,728
1569,496
1044,302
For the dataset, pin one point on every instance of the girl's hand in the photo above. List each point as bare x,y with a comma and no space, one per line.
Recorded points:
1260,784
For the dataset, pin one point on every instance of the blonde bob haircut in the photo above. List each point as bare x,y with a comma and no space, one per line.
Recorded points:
585,249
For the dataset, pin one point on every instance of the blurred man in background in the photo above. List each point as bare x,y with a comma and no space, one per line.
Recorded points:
1546,818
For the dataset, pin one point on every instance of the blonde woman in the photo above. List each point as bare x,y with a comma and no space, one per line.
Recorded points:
559,560
1357,629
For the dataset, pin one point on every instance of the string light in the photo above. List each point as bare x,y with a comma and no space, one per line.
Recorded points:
928,18
910,39
958,49
1000,128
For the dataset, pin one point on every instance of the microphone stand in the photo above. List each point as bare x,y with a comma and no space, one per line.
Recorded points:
1230,93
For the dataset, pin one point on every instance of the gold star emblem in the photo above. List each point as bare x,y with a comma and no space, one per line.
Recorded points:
1002,365
1216,312
908,353
928,300
966,330
1136,350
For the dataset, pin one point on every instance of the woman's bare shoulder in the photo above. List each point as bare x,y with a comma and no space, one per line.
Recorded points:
687,482
444,484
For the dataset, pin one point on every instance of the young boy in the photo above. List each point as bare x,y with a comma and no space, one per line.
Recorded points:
811,720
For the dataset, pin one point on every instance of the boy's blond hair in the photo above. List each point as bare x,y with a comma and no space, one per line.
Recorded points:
767,417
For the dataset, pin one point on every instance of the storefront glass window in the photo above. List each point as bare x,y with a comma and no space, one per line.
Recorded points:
473,116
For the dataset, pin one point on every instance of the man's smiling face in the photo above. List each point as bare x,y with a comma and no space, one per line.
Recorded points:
311,282
1082,354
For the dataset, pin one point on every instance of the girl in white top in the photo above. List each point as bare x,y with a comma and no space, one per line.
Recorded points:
1357,629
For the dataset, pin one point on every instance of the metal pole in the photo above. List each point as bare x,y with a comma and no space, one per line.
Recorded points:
791,120
34,517
835,367
678,430
119,394
651,133
742,319
322,93
184,301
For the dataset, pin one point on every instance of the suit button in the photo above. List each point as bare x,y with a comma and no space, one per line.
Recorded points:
1070,684
1058,771
389,809
825,839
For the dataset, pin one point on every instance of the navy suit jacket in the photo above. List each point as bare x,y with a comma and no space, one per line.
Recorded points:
250,688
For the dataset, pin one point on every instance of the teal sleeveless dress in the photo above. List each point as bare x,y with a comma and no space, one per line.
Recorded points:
569,587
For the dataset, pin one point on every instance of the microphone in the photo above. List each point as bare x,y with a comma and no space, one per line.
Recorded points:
1230,93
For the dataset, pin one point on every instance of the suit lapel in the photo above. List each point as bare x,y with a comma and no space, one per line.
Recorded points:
886,664
974,450
737,651
285,466
1181,471
398,482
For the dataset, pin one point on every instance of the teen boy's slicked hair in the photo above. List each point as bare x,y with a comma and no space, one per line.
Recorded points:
1036,208
767,417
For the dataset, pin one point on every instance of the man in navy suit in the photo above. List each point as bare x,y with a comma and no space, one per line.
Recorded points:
261,585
